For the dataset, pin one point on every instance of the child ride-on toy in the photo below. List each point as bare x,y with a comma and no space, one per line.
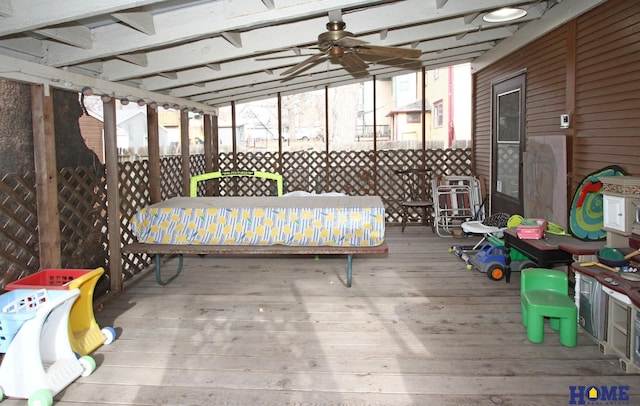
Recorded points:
490,259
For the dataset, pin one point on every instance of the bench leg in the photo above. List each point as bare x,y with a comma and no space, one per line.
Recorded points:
349,269
175,275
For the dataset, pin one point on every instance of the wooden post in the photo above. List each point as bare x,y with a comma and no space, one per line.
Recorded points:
44,149
215,152
208,144
279,169
327,171
208,152
234,147
154,155
375,136
423,114
215,143
113,195
184,151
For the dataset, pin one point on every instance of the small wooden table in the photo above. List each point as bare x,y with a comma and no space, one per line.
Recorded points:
547,252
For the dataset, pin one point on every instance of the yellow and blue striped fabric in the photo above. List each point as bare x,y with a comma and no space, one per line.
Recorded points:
296,221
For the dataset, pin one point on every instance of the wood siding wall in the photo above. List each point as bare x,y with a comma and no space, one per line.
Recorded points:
607,115
91,129
588,68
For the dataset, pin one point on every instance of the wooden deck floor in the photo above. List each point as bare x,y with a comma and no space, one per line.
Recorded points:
416,328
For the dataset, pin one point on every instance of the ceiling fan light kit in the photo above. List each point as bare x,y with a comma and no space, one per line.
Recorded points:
504,14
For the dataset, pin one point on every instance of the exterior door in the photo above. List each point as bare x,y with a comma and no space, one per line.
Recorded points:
508,135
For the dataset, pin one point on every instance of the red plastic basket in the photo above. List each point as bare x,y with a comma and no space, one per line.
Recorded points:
59,279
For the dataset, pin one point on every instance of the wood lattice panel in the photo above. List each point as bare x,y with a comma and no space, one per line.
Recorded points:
19,248
134,194
305,170
171,177
83,218
82,197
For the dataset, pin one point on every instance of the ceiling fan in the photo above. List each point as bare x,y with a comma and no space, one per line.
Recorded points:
341,47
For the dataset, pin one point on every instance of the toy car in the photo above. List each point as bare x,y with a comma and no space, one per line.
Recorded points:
490,259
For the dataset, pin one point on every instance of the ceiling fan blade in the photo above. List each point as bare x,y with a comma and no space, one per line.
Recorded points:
393,52
271,58
353,63
299,66
350,42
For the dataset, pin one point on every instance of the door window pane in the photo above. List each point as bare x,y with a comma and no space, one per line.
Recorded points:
508,144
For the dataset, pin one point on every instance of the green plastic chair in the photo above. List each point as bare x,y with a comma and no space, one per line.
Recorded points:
544,293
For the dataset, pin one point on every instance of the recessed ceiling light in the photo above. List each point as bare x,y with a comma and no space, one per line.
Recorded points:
504,14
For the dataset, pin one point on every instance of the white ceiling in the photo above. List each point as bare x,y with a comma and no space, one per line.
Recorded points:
202,54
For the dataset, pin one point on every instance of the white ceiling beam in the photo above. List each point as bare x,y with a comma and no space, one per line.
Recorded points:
138,58
239,67
16,54
468,19
233,37
307,83
43,13
270,4
327,72
268,38
561,13
184,24
138,20
6,10
169,75
26,45
219,81
71,34
188,23
23,71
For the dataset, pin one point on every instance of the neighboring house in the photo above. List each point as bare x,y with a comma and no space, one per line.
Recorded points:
448,106
406,122
133,123
92,129
448,90
131,131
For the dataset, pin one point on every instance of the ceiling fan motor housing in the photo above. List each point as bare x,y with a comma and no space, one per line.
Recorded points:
335,32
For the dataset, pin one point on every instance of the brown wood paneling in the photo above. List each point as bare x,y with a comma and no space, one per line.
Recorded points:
607,115
545,62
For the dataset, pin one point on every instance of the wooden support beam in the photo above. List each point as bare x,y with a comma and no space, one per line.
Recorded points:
184,151
71,34
270,4
208,148
154,155
233,37
137,58
440,4
139,20
113,195
44,148
5,8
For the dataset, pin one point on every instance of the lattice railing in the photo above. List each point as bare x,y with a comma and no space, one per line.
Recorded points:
82,197
19,243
